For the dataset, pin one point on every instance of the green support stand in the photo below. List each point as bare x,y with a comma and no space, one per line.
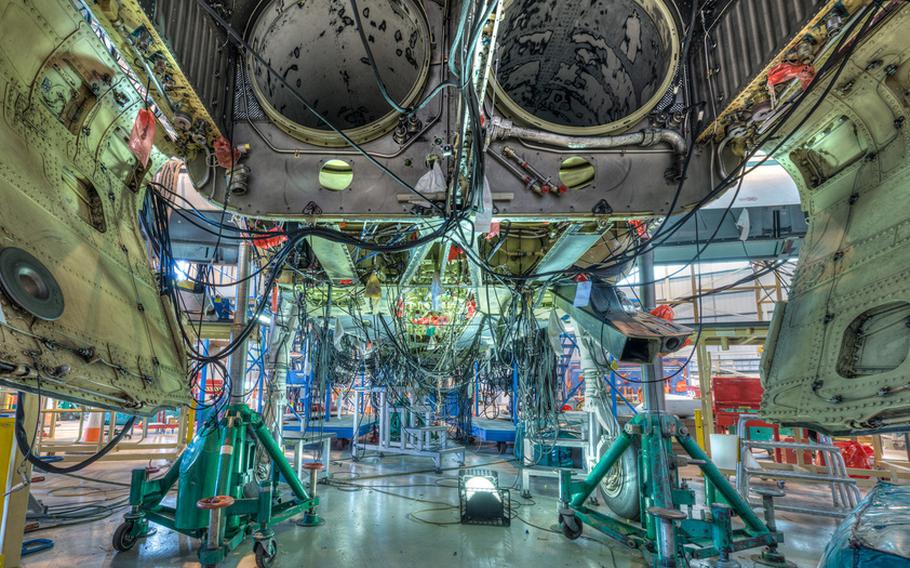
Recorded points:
219,500
311,518
671,536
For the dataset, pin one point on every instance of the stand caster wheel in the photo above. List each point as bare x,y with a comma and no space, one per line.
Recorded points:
123,539
571,528
265,551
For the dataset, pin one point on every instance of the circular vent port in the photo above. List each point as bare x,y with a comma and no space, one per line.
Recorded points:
314,46
585,68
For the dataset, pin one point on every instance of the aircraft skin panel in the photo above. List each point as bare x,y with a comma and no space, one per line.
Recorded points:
837,359
69,200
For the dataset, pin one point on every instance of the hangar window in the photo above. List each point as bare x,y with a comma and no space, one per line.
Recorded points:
876,342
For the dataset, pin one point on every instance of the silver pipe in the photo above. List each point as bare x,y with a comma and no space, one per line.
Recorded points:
238,358
502,128
214,538
786,474
281,338
653,371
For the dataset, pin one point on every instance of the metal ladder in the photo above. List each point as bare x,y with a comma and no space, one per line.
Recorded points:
845,494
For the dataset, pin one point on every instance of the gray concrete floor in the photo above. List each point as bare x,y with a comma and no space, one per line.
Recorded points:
385,525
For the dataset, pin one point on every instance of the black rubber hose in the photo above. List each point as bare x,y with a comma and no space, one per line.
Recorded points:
25,447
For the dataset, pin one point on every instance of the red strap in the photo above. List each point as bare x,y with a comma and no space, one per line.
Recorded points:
786,72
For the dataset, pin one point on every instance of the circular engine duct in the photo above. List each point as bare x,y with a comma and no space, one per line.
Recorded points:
315,46
585,68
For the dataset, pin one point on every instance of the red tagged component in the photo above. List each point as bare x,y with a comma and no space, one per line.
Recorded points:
272,240
454,253
785,72
142,138
494,230
223,153
664,312
640,227
431,319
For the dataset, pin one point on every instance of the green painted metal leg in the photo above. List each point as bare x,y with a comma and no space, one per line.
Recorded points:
604,465
224,459
710,493
721,518
721,484
281,462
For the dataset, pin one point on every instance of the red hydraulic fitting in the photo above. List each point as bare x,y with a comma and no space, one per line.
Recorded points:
216,502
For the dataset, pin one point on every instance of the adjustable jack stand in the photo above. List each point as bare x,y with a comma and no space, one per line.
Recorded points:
671,536
311,518
218,500
770,555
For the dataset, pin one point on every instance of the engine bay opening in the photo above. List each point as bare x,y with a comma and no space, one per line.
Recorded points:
315,47
585,68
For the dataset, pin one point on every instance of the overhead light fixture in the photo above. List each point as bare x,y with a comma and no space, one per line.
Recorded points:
481,501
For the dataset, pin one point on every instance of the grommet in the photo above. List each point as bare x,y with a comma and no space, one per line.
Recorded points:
30,285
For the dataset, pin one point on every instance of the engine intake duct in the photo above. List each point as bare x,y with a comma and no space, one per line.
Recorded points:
585,68
315,46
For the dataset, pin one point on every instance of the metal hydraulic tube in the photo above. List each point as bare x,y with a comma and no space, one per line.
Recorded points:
277,364
503,128
591,375
238,358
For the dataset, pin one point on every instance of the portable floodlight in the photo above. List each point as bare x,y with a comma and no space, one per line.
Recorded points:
481,500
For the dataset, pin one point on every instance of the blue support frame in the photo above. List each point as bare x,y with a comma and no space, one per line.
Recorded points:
614,393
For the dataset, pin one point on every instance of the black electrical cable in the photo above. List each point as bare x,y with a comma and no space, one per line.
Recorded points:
372,61
841,59
238,41
26,449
